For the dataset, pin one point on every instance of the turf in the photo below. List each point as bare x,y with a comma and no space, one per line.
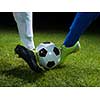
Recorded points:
79,70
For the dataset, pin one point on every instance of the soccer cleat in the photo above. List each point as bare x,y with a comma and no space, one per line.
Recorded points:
65,51
28,57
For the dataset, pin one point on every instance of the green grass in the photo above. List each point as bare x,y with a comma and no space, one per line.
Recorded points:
80,69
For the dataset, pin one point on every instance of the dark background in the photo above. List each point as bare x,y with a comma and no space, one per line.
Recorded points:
47,21
54,20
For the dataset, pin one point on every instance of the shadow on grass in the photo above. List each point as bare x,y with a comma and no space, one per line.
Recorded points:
73,75
62,66
24,74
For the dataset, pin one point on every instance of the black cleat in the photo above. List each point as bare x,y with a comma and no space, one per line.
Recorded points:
29,57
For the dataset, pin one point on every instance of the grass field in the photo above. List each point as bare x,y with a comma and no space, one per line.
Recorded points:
80,69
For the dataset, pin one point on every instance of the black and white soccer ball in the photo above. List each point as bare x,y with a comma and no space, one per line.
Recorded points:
48,55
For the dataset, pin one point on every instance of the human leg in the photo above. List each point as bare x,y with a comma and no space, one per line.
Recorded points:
80,24
24,24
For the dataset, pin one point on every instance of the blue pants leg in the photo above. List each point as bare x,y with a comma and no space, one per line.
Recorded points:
81,21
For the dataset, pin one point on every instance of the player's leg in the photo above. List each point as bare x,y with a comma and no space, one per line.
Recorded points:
24,24
80,24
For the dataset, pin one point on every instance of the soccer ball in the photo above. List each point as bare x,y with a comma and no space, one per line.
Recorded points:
48,55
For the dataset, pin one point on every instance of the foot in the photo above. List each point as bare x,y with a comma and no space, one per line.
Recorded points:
28,56
65,51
